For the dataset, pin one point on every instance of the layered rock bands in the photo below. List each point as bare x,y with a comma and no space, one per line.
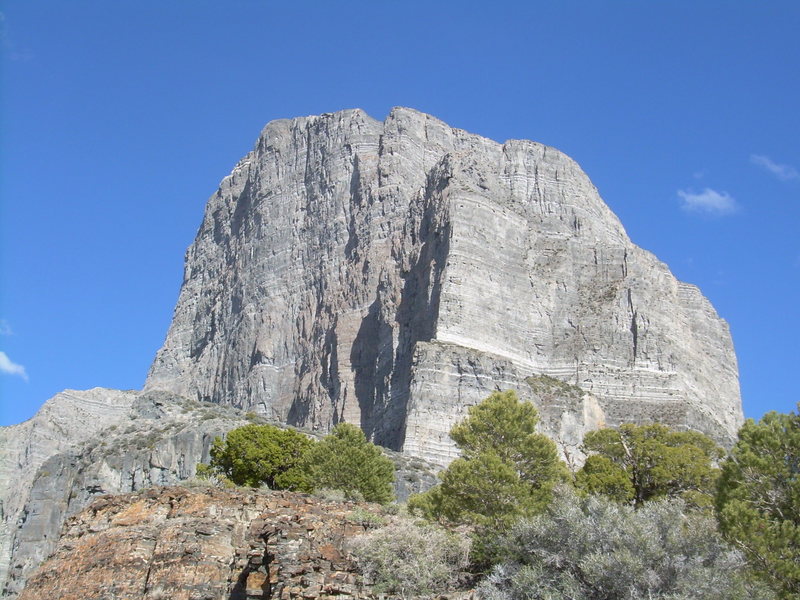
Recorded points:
389,274
392,274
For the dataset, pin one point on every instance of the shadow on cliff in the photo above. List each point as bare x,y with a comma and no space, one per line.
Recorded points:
383,375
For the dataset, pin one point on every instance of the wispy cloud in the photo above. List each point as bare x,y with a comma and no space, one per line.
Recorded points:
5,328
11,49
782,172
709,202
11,368
3,29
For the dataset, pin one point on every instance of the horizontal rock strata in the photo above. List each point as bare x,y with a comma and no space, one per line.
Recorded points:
393,273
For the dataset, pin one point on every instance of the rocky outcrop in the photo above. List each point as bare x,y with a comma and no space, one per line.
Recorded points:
158,440
62,423
393,273
93,443
204,543
389,274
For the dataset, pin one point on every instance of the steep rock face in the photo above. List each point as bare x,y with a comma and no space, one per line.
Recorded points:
393,273
63,423
207,543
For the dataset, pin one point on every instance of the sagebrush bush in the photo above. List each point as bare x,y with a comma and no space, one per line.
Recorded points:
411,560
366,518
595,549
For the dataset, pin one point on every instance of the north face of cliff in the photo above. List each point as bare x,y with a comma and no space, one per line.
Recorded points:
393,273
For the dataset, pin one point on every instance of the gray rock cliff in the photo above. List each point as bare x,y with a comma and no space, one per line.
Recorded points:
393,273
63,423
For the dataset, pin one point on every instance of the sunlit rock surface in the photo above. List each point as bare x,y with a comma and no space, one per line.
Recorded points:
204,543
121,442
393,273
389,274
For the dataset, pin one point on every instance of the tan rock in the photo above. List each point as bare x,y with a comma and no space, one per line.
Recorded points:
183,544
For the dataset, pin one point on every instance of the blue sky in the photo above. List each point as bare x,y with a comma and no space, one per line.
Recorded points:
118,120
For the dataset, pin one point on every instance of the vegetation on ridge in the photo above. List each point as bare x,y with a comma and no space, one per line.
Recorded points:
592,548
758,502
638,463
506,469
633,523
284,459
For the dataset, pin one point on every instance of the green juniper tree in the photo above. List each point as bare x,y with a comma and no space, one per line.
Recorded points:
256,455
506,469
636,463
345,460
758,499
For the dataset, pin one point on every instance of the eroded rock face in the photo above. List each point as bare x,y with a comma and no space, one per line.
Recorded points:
85,444
63,423
158,439
389,274
393,273
204,543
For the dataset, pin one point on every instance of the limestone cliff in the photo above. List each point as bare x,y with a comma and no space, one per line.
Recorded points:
389,274
393,273
205,543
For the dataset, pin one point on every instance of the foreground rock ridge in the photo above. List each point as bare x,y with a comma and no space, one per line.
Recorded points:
204,543
393,273
82,445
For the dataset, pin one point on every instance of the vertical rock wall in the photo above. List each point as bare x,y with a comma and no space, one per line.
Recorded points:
349,269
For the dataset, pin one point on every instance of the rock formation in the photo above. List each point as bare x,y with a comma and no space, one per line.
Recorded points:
62,423
84,444
389,274
204,543
393,273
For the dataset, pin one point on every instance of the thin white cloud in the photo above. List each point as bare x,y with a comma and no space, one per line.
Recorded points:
5,328
3,29
782,172
11,368
709,202
12,51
